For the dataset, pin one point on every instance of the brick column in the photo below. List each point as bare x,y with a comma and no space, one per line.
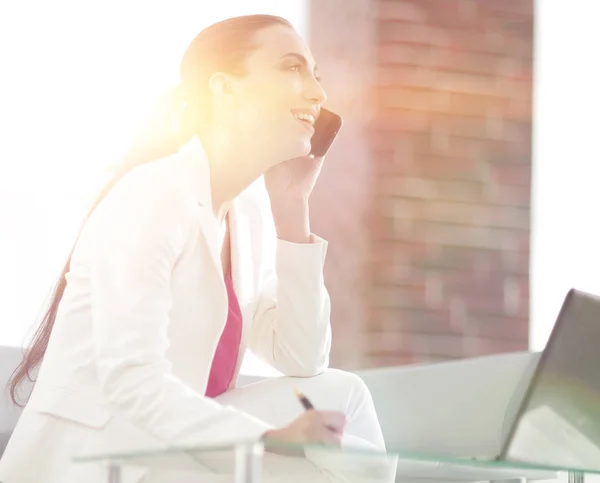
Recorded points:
427,196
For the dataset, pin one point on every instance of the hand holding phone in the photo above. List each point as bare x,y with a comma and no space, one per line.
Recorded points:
327,127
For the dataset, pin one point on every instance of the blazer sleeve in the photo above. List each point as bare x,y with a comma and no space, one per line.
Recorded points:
138,233
291,330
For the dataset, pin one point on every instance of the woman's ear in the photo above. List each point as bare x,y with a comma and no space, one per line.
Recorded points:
220,86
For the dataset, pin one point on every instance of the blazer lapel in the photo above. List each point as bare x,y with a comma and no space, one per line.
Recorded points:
241,256
197,172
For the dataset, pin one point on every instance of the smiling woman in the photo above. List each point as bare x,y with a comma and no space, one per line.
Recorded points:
172,278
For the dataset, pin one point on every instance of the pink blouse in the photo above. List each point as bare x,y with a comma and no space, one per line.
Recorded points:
226,355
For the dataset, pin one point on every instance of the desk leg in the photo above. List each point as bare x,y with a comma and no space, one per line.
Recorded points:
576,477
113,473
248,462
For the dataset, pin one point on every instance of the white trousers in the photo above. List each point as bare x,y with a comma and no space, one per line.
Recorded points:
274,401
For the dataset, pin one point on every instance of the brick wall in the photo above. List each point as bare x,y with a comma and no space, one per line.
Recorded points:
429,219
343,40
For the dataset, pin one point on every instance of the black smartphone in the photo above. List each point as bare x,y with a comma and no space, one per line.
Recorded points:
327,127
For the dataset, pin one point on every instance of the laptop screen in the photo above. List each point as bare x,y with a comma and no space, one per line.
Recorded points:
559,421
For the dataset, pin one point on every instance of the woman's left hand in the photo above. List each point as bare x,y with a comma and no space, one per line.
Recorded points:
293,179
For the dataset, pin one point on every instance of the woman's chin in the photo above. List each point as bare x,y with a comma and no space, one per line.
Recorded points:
300,149
291,150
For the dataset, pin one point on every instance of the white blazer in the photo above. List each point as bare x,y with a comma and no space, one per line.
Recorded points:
145,304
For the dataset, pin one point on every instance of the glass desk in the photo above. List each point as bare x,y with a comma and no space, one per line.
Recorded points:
249,462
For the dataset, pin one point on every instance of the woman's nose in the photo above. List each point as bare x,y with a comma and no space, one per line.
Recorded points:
315,92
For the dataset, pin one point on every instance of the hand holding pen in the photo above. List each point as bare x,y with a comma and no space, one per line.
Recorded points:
311,427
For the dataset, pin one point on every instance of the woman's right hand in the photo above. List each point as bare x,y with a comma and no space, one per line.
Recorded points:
312,427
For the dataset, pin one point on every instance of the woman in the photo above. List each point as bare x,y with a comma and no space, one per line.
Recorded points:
172,278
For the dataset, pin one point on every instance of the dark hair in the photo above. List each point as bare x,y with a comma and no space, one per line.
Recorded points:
222,47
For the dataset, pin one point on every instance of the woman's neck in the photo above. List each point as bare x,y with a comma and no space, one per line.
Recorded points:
232,169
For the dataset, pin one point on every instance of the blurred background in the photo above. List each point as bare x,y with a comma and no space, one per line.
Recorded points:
460,197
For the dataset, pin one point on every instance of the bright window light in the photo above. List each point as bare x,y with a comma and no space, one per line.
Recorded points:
566,160
77,79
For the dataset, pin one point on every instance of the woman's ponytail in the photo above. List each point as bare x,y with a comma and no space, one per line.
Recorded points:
166,129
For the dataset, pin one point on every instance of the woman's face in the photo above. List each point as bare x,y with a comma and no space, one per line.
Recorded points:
274,105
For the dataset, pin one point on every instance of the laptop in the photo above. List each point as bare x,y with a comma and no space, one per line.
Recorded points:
557,417
557,423
558,420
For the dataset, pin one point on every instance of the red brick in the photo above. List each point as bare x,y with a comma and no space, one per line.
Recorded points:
502,327
519,7
502,152
495,305
518,68
458,82
477,272
454,346
396,253
408,33
519,110
461,191
402,54
398,120
466,62
410,319
516,262
404,76
426,100
477,105
451,234
453,190
396,297
407,187
494,39
466,214
390,249
445,345
468,284
442,101
439,144
433,147
455,260
484,129
399,10
518,88
458,61
424,322
511,174
454,13
508,195
398,274
448,168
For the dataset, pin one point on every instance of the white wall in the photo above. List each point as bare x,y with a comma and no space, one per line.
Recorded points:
566,158
76,77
